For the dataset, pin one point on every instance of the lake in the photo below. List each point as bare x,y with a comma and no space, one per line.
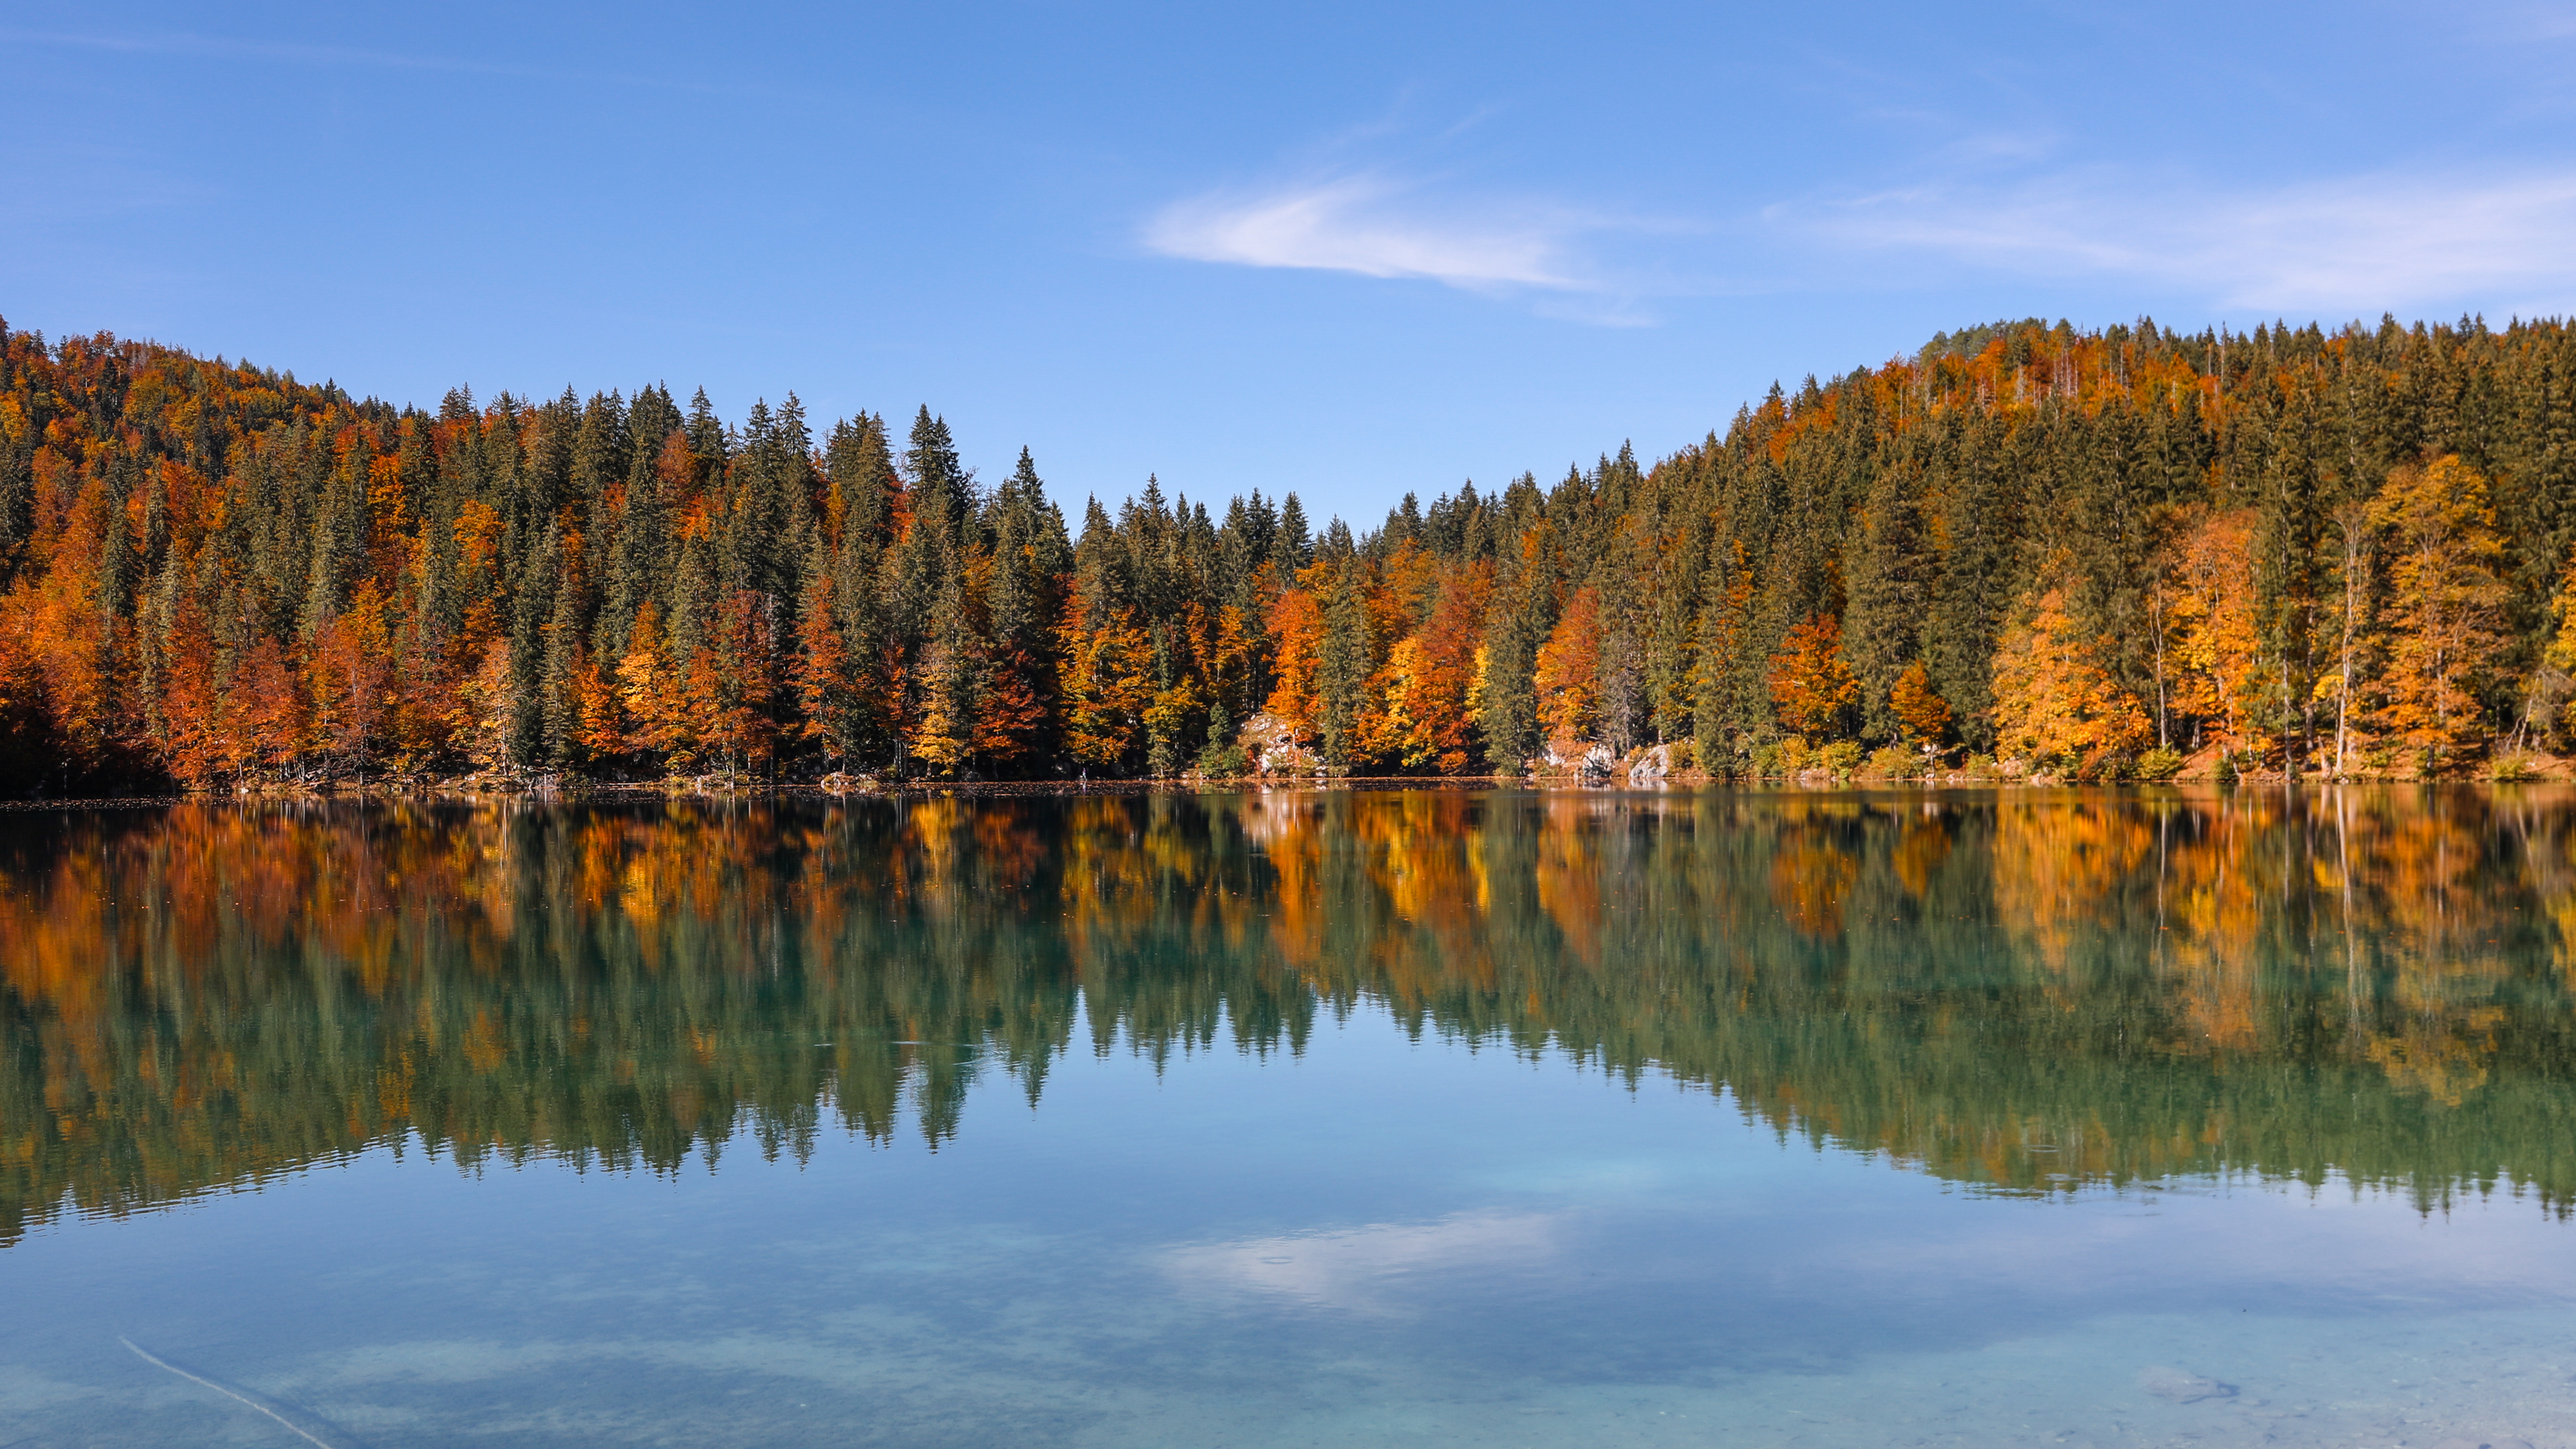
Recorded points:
1404,1118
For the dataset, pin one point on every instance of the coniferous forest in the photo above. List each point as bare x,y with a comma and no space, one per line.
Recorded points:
2023,551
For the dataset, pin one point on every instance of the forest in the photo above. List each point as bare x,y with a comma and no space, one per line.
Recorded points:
2025,551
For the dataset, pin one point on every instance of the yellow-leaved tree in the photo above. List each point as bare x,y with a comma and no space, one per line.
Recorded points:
1811,686
2053,698
1923,713
2445,607
2217,674
1569,692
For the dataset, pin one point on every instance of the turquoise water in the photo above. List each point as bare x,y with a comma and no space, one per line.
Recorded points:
1294,1120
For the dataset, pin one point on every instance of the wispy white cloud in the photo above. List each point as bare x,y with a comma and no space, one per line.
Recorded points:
2494,241
1376,227
2354,244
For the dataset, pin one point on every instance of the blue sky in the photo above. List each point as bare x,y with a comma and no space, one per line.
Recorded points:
1350,250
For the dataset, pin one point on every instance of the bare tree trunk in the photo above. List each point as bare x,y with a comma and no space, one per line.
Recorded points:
2353,520
2156,620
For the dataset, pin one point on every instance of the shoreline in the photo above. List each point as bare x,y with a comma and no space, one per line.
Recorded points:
453,793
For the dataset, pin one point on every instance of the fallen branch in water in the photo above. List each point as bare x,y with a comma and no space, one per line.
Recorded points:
219,1388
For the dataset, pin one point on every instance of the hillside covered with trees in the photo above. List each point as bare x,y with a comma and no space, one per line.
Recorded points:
2084,553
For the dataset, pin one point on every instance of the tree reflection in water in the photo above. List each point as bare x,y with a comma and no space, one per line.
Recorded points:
2026,991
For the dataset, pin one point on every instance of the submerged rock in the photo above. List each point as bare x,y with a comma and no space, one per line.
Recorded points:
2181,1387
2472,1441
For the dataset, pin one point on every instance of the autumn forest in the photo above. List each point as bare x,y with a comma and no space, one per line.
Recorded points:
2024,551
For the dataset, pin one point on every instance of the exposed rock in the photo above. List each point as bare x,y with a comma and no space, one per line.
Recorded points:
1651,769
2182,1387
1274,747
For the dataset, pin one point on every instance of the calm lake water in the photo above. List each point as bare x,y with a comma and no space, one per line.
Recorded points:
1286,1119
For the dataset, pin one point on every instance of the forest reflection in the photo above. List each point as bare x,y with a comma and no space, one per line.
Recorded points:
2027,991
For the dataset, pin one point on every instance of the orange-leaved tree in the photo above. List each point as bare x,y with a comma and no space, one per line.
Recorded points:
1569,668
2445,606
2218,676
1924,715
1297,642
2052,695
1811,686
1107,681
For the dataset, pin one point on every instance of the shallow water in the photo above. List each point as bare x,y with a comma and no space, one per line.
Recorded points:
2080,1118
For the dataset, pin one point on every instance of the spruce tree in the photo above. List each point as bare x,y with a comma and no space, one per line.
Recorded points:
601,449
120,565
1980,575
1016,599
640,555
1290,549
943,491
17,501
1344,667
860,472
560,705
532,608
707,443
1888,586
952,686
2289,573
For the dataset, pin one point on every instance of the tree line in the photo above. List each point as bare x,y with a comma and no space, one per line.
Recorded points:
2024,991
2025,547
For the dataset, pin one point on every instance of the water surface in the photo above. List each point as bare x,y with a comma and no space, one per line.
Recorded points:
1272,1119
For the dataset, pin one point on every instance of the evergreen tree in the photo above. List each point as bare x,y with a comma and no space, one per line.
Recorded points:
707,438
2288,574
952,673
1290,549
860,472
1345,664
1507,682
1980,575
943,492
17,500
559,705
532,609
1889,586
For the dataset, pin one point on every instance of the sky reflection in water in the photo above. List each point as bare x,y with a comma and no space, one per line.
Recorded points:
1365,1119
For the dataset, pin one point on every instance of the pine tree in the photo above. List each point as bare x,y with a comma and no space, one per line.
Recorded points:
17,498
861,476
952,675
560,742
533,608
942,490
1889,587
707,440
1980,575
1343,668
2288,574
1507,689
1725,628
1290,549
